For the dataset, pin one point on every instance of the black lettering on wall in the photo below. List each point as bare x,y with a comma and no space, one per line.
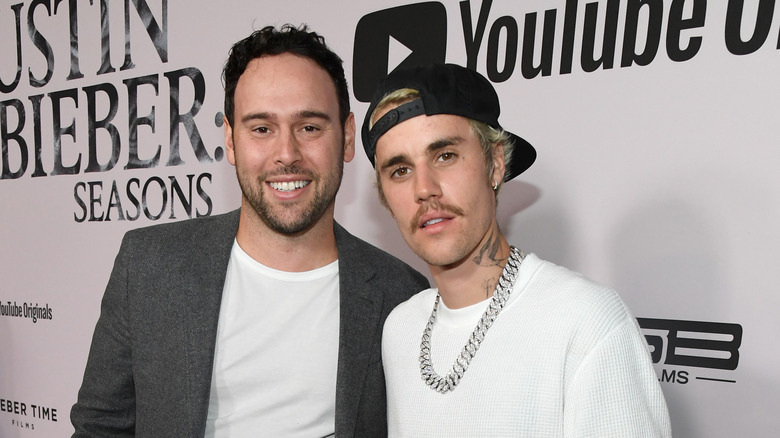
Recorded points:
37,134
80,202
15,135
133,199
105,40
73,19
734,42
95,199
134,161
203,195
569,31
56,98
163,193
510,57
527,66
41,43
93,125
114,202
653,39
158,35
677,24
474,39
178,193
186,119
607,58
8,88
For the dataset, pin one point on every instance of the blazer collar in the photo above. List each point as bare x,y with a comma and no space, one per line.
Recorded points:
215,244
360,314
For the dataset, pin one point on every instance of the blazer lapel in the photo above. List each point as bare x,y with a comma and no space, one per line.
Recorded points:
360,311
208,268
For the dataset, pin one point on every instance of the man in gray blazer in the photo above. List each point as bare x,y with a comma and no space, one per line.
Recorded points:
266,321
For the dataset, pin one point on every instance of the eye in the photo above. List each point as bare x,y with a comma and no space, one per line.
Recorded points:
310,131
261,129
446,156
400,172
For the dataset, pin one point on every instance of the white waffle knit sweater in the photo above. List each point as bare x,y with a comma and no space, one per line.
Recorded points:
565,358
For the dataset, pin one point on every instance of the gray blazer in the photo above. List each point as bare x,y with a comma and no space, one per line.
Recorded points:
150,363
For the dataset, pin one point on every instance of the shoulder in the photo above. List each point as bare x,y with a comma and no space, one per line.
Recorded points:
412,312
575,301
419,303
191,235
357,254
186,227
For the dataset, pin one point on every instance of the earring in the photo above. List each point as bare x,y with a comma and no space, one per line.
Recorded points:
495,185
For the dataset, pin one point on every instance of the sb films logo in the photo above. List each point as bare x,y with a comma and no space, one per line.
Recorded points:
398,37
709,348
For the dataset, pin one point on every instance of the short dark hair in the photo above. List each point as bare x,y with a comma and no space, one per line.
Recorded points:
288,39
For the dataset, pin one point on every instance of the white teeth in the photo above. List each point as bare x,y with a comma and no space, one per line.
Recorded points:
288,186
432,221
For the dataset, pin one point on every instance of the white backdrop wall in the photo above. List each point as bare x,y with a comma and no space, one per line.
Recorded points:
654,120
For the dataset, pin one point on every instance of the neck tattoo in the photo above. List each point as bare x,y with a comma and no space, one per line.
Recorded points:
500,296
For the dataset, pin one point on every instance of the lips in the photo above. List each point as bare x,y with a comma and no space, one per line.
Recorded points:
433,214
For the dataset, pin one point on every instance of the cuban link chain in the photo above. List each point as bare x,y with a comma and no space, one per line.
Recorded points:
500,296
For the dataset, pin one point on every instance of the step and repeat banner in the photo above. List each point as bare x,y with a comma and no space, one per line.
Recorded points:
655,121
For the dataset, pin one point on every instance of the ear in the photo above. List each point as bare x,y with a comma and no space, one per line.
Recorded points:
499,166
349,138
229,146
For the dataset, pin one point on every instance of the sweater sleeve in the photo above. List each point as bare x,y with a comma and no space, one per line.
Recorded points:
615,391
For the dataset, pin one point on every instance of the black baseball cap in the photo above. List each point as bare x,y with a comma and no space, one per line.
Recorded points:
444,89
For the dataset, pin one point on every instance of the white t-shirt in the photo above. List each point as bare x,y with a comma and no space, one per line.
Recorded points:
276,353
565,358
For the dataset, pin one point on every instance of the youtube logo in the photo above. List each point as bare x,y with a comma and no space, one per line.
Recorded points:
393,38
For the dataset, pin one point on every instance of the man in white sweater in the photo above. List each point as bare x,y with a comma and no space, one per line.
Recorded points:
507,344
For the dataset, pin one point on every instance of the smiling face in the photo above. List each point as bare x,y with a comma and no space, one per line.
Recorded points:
433,176
287,142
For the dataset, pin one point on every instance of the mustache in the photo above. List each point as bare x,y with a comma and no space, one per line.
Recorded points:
288,170
433,206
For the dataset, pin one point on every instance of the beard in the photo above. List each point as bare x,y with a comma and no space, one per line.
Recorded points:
296,217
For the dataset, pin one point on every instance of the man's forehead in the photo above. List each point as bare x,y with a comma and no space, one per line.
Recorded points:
287,70
285,85
266,60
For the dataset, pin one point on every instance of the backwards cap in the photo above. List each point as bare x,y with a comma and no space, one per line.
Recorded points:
444,89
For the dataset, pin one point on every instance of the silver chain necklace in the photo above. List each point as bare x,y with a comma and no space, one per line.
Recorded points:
500,296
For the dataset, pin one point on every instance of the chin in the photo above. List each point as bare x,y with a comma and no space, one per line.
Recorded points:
440,257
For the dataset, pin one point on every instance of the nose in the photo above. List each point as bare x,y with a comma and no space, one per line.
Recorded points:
426,184
288,150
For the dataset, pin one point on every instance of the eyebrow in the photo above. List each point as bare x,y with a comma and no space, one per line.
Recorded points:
303,114
443,143
256,116
393,161
312,114
431,149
